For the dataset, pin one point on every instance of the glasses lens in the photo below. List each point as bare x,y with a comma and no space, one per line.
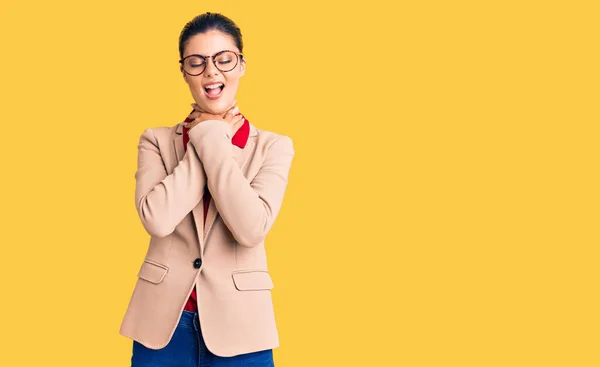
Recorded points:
194,65
226,61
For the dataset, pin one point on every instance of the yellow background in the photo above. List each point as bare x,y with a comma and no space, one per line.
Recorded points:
443,203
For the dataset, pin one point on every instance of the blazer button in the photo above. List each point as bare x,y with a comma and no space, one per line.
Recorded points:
197,263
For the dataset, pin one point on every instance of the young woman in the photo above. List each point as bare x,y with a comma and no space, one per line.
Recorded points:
208,191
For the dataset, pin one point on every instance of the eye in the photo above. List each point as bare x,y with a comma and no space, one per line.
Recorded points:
195,62
225,58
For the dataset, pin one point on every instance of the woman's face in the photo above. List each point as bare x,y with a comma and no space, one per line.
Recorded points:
215,101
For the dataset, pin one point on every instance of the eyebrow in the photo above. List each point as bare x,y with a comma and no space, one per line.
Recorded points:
199,54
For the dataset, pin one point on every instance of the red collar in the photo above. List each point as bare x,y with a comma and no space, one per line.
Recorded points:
240,138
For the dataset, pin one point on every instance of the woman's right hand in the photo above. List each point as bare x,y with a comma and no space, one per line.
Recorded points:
198,115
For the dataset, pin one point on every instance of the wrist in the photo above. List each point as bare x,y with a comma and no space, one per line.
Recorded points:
212,130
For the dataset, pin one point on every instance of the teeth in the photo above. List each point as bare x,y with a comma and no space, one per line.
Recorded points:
213,86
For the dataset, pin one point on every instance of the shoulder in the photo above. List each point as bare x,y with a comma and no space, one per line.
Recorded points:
274,140
158,134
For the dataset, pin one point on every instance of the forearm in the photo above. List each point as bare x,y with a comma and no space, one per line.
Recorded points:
162,200
248,208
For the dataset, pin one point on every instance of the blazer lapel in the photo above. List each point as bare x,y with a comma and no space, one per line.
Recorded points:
197,212
241,156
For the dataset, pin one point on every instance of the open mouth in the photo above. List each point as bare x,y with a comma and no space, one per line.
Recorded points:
213,91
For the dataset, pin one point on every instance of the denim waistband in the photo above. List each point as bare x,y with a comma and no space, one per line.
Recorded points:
187,318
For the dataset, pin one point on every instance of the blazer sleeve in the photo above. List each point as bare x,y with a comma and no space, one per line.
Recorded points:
161,200
248,209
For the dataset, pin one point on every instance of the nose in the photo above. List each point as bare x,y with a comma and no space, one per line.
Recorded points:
210,68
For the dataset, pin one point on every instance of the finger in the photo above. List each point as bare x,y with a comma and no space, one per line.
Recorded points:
239,120
229,117
231,113
190,117
197,108
200,118
232,106
235,127
195,114
195,122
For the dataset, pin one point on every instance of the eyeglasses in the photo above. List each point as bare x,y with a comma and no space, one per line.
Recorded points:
224,61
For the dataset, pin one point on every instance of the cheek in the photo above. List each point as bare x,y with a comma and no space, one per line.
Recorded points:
231,89
232,85
195,86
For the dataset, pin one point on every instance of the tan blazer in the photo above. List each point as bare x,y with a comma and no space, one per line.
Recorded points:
225,259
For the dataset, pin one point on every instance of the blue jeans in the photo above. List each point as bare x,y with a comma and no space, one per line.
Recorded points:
187,349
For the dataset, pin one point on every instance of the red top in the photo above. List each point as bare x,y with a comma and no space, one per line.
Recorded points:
239,138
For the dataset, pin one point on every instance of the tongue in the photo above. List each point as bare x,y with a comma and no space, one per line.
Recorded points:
214,91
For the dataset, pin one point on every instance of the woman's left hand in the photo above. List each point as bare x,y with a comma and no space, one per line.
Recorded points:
232,116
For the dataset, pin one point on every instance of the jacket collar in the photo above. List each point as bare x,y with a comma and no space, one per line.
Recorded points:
178,129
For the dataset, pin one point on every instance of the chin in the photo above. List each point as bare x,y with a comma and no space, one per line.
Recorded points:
216,107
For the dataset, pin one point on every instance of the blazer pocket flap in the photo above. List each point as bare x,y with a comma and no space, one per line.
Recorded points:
153,271
252,280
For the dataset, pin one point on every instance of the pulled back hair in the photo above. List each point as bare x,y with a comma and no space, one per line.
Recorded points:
208,22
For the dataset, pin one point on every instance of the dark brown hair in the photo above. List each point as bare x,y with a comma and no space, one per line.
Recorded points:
207,22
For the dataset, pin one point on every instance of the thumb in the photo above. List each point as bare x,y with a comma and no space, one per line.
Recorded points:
231,113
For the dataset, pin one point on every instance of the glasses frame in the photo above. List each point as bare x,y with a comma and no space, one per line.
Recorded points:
238,55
